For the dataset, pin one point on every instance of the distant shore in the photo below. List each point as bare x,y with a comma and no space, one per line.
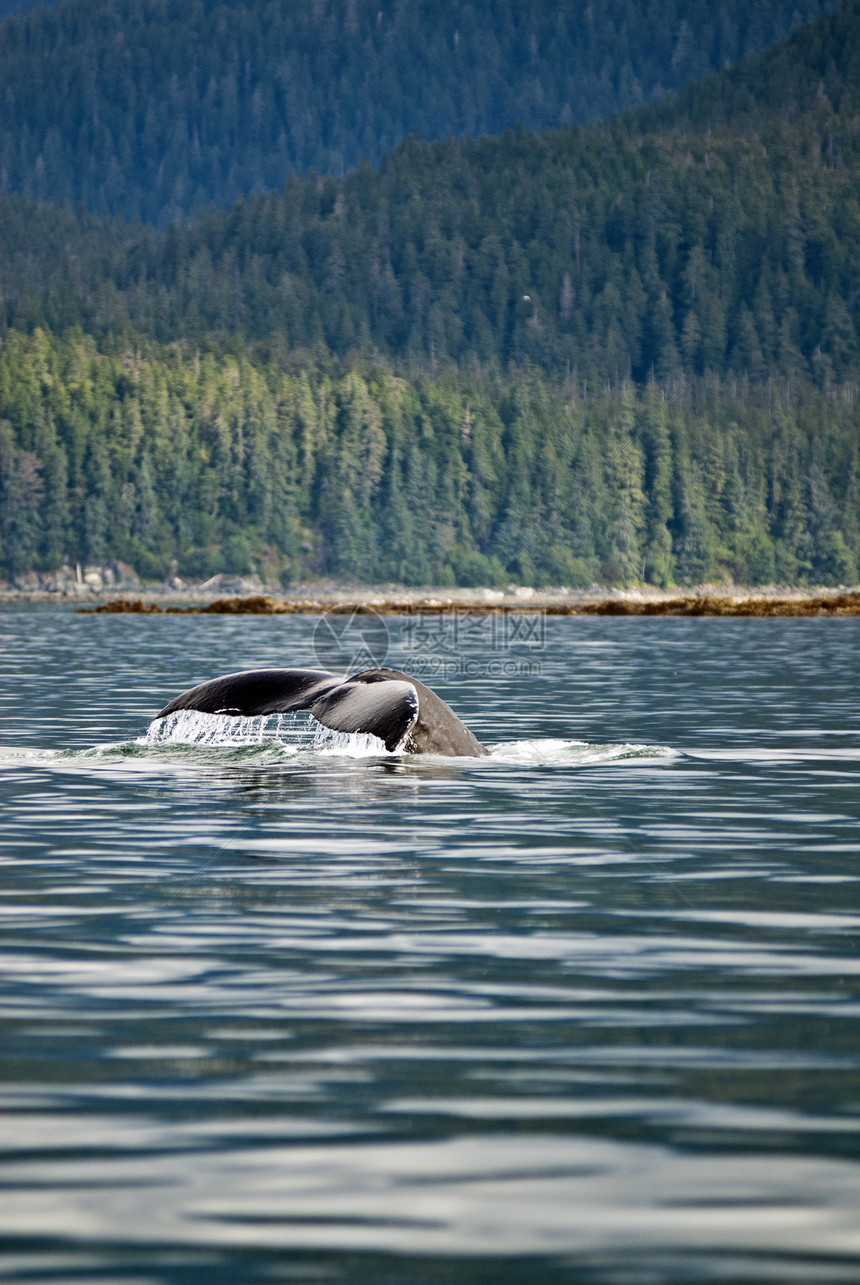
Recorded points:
708,600
704,604
115,589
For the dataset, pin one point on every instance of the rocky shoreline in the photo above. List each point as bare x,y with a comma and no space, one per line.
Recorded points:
114,588
835,604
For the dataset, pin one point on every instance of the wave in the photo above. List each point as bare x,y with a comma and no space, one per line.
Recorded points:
300,733
551,752
191,738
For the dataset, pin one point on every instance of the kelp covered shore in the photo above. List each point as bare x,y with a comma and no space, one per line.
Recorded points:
846,603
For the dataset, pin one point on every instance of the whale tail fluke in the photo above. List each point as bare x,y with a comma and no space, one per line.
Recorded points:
386,703
254,692
387,710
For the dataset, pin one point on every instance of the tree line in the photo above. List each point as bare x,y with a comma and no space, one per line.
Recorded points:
176,460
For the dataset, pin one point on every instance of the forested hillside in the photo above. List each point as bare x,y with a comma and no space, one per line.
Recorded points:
176,460
621,352
718,234
149,108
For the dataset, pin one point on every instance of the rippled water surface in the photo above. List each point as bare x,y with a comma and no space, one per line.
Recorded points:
277,1006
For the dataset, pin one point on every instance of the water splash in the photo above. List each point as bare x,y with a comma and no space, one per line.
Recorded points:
224,731
300,733
349,744
295,732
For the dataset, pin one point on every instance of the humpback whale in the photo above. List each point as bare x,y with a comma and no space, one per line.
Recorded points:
402,712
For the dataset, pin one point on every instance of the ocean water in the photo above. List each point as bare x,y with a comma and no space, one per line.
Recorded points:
278,1006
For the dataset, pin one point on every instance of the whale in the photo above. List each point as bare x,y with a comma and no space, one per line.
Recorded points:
405,715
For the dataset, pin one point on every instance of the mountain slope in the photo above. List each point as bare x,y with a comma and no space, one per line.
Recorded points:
425,373
714,234
149,108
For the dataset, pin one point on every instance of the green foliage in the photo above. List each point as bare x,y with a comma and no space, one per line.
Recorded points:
165,457
152,108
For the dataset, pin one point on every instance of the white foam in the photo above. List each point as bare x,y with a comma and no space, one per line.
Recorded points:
191,727
298,731
354,745
552,751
